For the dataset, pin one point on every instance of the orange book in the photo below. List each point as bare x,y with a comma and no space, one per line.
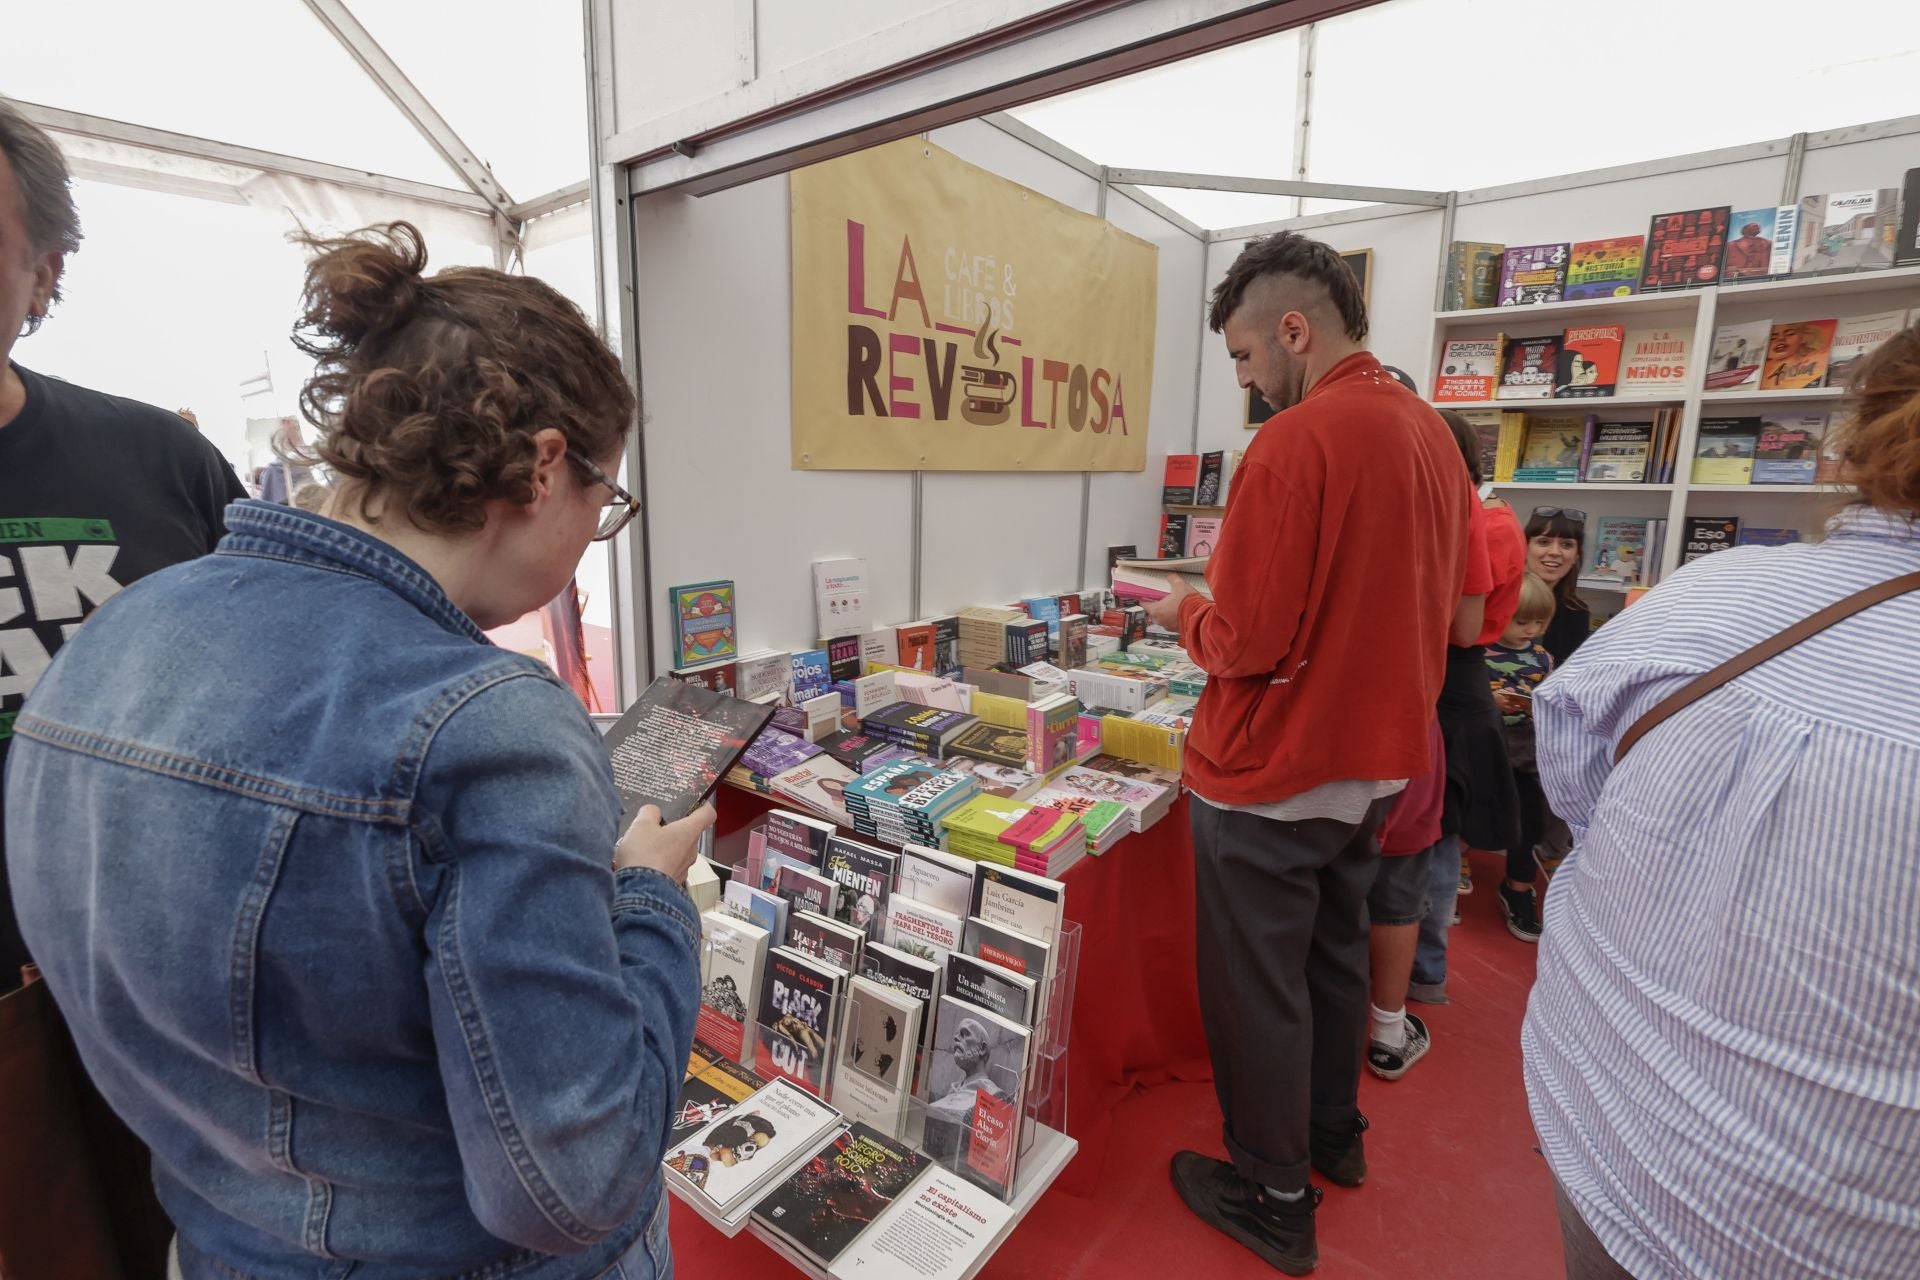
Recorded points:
917,645
1797,355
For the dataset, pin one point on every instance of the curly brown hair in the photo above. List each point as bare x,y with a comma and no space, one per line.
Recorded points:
1879,445
428,392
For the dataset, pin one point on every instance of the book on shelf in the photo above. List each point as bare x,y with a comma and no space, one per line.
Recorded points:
1654,362
976,1094
1182,480
1622,550
877,1055
1073,637
819,784
1533,273
747,902
986,985
1147,579
775,751
1797,355
804,889
1752,537
844,660
1211,491
936,877
839,597
1203,535
1607,268
1512,441
1739,351
915,641
1469,369
800,1008
1684,249
1173,535
923,930
1760,243
796,835
1704,535
1528,366
1010,899
1473,275
705,629
1857,337
719,677
870,693
1723,451
946,645
1906,245
865,875
1025,641
1589,361
1122,551
781,1123
1554,448
1788,448
879,647
911,975
939,1230
812,674
714,1085
733,956
1619,453
764,677
1486,432
671,748
1052,731
826,1203
1847,231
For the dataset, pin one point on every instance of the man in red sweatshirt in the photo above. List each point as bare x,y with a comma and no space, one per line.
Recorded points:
1335,580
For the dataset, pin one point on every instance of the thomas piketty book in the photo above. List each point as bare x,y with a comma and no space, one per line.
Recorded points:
828,1201
674,745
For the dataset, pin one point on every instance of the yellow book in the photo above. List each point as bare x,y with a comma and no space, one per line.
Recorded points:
1154,744
999,710
1513,436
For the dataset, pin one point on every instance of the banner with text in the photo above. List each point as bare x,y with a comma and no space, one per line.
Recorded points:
945,319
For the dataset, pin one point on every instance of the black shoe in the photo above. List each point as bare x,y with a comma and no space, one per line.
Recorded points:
1391,1064
1339,1152
1522,911
1280,1231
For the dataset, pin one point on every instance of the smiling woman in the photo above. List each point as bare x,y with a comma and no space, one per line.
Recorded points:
1556,547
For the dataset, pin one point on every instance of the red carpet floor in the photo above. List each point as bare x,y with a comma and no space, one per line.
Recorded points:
1454,1189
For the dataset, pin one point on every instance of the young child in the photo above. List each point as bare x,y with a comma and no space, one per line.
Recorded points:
1516,664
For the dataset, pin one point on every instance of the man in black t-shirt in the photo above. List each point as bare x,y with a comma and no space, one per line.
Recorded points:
95,491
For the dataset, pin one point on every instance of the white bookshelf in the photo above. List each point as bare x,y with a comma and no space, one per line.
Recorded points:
1805,507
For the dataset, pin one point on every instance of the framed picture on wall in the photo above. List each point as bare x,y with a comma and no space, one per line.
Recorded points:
1360,262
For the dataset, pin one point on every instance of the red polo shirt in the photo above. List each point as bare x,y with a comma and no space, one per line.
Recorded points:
1339,566
1507,558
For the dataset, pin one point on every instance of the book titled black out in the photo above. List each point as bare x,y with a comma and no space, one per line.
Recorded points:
674,745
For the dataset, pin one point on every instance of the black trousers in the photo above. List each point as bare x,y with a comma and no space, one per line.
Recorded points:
1282,940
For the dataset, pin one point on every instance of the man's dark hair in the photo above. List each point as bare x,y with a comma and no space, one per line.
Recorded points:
46,195
1288,253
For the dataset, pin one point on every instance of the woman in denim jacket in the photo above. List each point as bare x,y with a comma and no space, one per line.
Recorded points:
326,884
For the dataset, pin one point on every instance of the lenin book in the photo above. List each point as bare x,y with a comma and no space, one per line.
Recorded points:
1760,244
1469,370
1797,355
941,1229
839,597
1605,268
674,745
733,955
748,1148
799,1007
704,625
1533,273
714,1085
1684,249
1589,363
827,1202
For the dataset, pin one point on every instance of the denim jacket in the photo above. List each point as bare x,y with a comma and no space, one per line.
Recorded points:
321,880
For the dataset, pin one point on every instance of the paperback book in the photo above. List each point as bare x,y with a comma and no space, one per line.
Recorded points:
769,911
910,975
1620,550
673,746
1788,449
704,623
1182,480
714,1085
875,1076
1654,362
986,985
1797,355
1211,490
1739,350
820,784
843,658
1760,243
1529,367
1589,363
1751,537
1684,249
1029,904
1473,275
799,1003
936,877
1532,274
865,875
733,955
839,597
826,940
923,930
976,1094
1723,453
1469,370
1605,268
1704,535
765,677
812,674
1619,452
720,677
780,1124
824,1206
1135,580
939,1230
776,752
1847,231
1555,445
1857,337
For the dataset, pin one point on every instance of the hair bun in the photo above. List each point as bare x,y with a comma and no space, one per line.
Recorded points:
359,285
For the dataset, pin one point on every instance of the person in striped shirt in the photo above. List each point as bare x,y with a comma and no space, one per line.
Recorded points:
1722,1047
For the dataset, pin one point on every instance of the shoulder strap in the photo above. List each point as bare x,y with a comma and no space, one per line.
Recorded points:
1740,664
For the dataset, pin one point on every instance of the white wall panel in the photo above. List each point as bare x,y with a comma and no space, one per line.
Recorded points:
1882,162
668,56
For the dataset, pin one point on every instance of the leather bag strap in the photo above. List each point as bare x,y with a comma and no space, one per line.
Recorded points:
1740,664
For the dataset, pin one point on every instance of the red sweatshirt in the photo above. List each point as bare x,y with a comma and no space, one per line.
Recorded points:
1337,573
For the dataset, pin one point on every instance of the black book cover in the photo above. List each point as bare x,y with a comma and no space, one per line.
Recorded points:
1119,552
1026,642
813,935
1212,466
797,1007
987,985
825,1205
1173,536
866,875
946,646
854,749
674,745
993,744
1684,249
843,657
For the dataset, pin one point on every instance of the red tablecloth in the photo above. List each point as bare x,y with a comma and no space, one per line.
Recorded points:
1136,1011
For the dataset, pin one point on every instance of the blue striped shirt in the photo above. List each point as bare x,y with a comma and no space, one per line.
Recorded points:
1723,1045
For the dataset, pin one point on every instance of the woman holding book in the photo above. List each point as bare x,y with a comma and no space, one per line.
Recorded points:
1720,1046
354,946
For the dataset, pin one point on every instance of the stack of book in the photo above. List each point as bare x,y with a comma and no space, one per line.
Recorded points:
903,802
1146,793
926,730
983,630
973,830
1105,822
1046,841
1052,733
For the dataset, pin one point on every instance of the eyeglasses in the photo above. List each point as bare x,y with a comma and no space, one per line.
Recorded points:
621,509
1569,513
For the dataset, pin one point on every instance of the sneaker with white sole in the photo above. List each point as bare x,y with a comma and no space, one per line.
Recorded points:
1522,911
1391,1064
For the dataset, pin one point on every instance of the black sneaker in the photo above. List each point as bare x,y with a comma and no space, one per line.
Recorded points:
1391,1064
1280,1231
1522,911
1340,1153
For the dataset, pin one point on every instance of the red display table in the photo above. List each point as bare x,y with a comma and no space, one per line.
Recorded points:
1136,1014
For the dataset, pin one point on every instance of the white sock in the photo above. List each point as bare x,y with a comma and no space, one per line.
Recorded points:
1390,1029
1288,1196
